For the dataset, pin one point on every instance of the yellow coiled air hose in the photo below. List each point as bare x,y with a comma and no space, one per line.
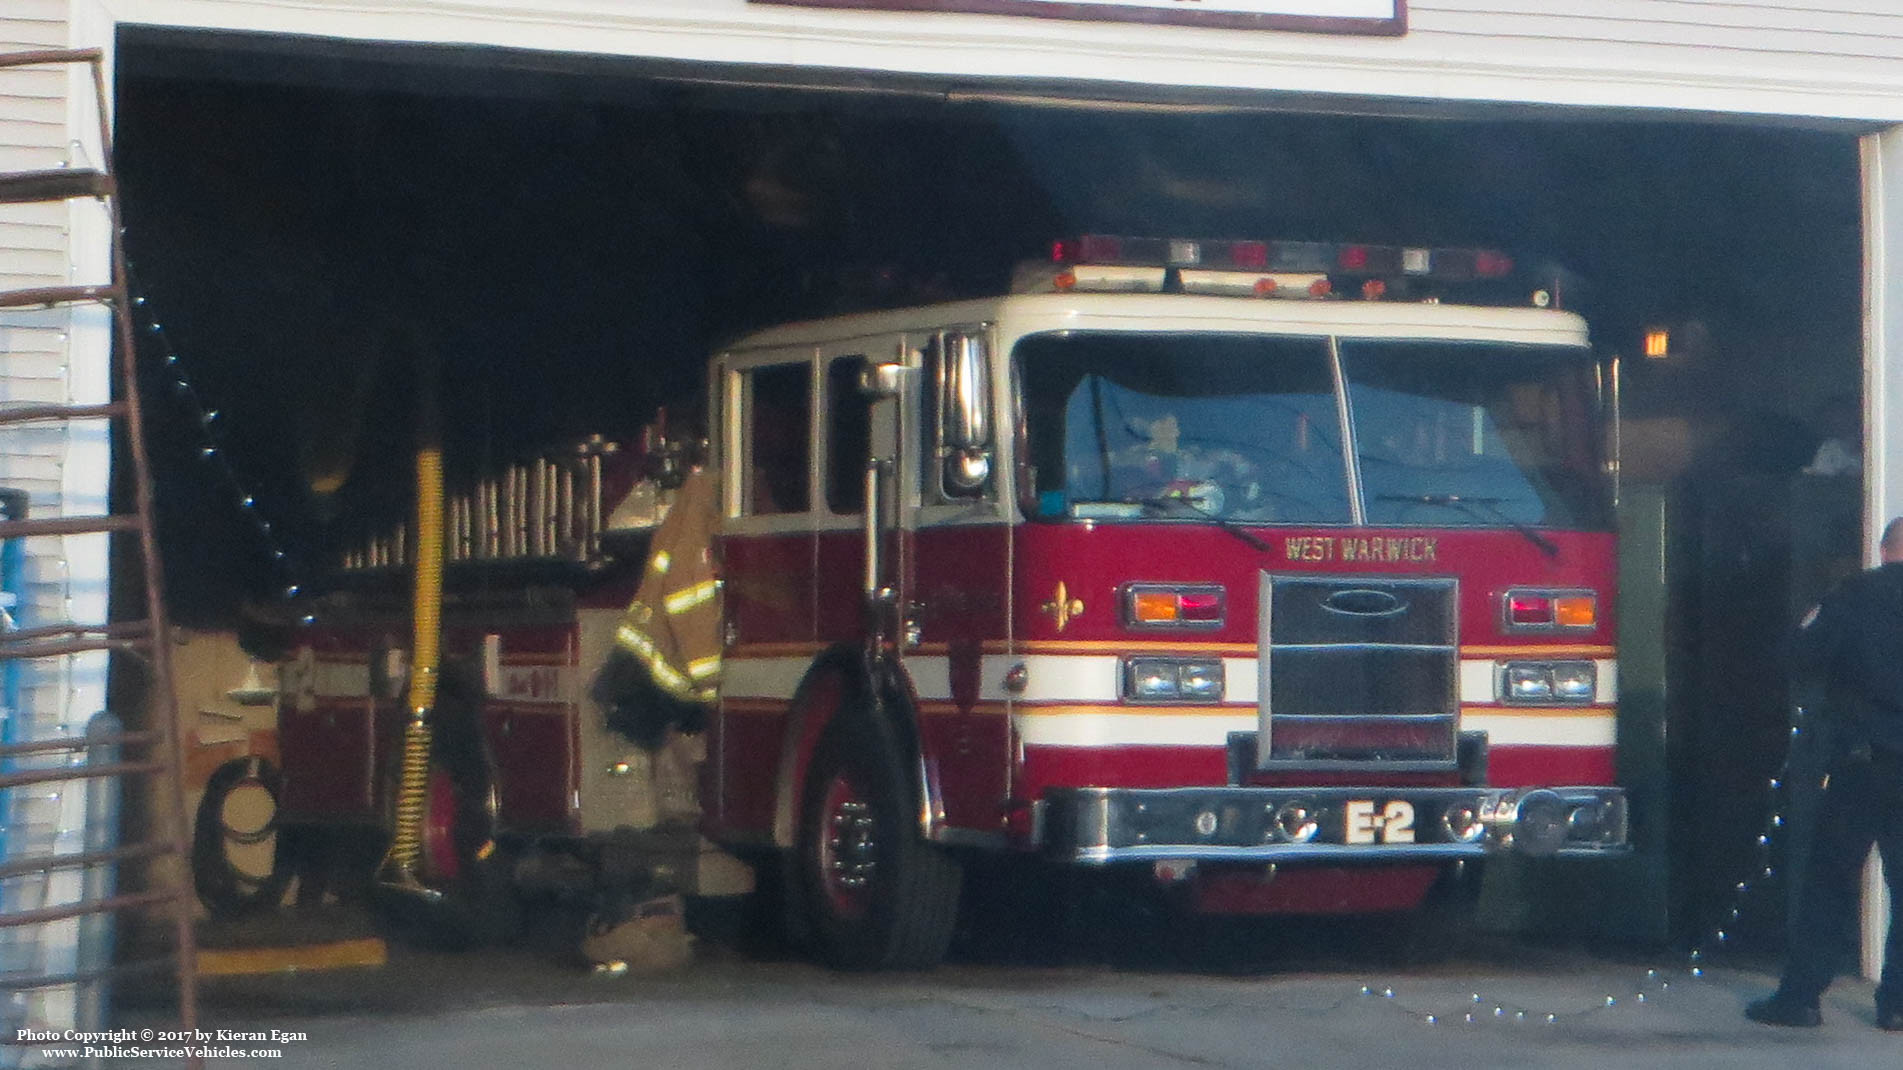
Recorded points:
413,790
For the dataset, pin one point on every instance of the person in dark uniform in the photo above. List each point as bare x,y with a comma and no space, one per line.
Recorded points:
1854,642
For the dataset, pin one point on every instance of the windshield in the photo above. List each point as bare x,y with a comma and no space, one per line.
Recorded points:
1476,433
1243,427
1246,428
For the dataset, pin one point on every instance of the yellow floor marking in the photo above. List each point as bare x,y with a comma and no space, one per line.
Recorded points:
338,955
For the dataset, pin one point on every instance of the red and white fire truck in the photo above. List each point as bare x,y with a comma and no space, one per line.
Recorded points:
1264,566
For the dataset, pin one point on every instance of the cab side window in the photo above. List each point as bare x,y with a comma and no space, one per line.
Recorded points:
779,421
848,435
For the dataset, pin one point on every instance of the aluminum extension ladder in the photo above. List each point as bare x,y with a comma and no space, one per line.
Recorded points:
154,753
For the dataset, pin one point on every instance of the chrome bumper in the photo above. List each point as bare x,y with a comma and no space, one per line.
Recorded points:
1335,825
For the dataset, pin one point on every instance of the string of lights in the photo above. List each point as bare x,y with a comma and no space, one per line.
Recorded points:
1479,1008
212,449
1655,982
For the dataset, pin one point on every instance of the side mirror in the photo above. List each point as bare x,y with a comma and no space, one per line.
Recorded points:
966,414
882,380
967,393
967,470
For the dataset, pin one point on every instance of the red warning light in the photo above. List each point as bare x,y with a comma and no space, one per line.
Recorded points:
1492,265
1088,249
1200,605
1529,609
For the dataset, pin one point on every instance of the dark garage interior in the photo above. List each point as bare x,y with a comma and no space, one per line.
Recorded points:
572,238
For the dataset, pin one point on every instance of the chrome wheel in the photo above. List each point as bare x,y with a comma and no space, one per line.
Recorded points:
876,895
848,849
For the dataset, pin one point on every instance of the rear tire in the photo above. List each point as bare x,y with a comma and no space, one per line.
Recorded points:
471,900
877,895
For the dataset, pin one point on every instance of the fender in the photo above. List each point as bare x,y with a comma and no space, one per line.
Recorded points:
841,675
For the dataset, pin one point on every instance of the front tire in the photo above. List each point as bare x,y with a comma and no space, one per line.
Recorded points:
877,895
1441,928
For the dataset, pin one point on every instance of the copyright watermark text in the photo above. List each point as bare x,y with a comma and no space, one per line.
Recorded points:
75,1044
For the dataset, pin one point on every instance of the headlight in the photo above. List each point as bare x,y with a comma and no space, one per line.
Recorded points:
1528,682
1574,681
1201,680
1151,678
1173,680
1571,682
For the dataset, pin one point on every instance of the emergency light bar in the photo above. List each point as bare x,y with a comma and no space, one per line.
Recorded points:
1263,268
1451,265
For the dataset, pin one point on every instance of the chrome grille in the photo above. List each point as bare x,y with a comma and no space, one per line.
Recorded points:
1359,671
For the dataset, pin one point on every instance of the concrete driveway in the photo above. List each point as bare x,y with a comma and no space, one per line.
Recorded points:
794,1017
1300,1005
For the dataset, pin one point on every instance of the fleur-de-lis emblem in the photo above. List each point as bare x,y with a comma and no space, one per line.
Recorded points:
1062,607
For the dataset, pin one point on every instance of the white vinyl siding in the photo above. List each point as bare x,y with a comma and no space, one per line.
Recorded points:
33,136
51,356
1835,59
35,250
1873,28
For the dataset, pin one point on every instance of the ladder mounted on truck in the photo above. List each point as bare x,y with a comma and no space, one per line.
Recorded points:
152,749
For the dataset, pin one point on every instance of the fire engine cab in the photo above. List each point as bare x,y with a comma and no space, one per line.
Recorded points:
1267,567
1176,558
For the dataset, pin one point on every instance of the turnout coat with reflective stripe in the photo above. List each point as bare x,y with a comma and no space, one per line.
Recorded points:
673,624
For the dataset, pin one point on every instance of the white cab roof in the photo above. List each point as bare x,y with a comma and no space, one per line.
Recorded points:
1021,314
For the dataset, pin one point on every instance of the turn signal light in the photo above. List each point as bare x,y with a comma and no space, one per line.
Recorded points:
1551,609
1161,605
1153,607
1576,611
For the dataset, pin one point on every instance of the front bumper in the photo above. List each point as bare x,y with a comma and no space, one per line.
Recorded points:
1335,825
